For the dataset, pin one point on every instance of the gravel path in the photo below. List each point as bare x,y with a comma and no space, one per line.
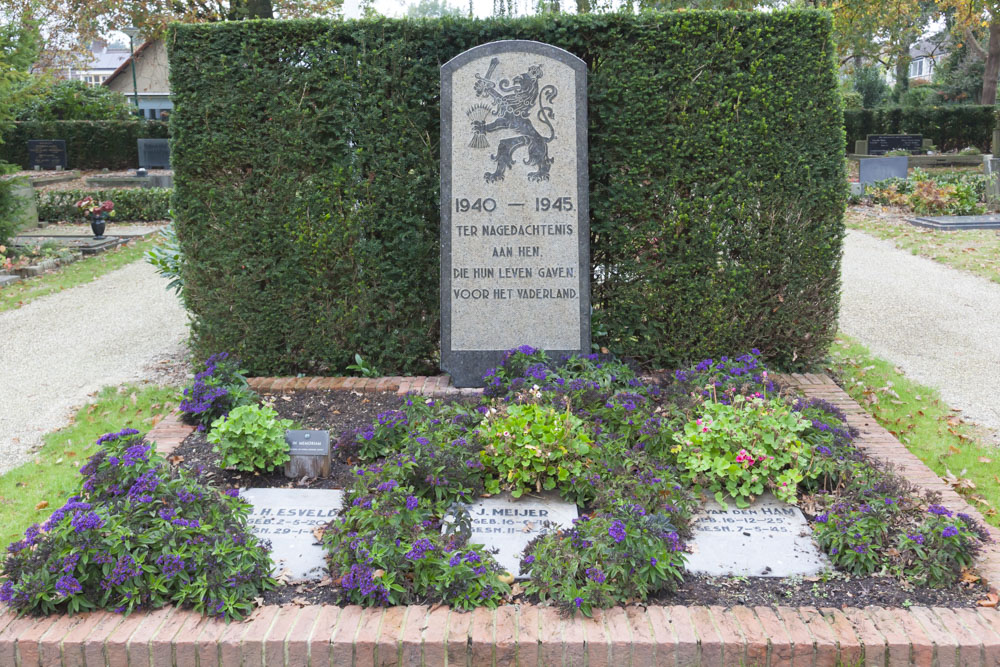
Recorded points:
941,326
59,349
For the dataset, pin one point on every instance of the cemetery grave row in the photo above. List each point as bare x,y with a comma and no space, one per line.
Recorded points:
438,488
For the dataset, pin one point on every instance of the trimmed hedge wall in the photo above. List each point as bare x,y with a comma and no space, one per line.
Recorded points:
90,144
306,184
131,204
951,127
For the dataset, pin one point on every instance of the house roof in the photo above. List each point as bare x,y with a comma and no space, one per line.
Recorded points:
928,48
108,59
126,62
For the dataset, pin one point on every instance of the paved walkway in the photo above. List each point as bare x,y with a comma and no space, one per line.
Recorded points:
59,349
941,326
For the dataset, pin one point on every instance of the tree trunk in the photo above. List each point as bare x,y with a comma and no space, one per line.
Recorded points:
992,70
902,76
582,6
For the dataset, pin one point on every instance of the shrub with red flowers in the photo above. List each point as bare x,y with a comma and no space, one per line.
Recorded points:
139,535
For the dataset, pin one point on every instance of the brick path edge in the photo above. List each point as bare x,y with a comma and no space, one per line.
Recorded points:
528,634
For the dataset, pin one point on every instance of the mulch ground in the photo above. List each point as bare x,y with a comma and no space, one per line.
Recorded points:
341,411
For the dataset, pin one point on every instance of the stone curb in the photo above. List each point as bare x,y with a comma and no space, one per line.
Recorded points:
529,634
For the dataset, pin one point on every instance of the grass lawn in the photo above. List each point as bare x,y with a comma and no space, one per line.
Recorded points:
917,416
974,250
77,273
30,493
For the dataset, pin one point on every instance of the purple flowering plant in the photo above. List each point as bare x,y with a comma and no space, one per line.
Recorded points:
606,559
138,535
216,389
387,547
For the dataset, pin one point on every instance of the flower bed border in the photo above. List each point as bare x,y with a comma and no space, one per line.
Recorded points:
530,634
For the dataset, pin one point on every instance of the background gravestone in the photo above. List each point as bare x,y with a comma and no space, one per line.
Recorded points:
880,144
154,153
515,253
873,170
47,153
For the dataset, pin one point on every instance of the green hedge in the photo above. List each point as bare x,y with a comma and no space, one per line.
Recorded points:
307,181
90,144
950,127
131,204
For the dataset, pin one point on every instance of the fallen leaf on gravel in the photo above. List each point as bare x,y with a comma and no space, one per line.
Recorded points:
175,459
42,505
969,577
990,600
299,602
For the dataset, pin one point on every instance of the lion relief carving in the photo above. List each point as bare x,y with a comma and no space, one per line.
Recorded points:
512,103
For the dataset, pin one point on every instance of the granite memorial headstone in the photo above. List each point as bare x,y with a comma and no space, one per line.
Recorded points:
288,517
768,539
515,254
154,153
47,153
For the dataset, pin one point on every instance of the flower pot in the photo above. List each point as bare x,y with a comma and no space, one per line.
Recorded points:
98,225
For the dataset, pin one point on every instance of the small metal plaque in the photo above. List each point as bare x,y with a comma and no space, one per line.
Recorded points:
308,443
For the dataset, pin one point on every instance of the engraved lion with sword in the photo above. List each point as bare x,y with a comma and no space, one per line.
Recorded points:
512,105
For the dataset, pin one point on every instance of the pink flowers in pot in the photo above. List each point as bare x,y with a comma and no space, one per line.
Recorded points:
92,208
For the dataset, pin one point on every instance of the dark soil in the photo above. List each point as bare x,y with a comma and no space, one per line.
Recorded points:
341,411
337,411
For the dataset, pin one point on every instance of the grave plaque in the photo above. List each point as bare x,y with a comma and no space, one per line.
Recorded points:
287,517
154,153
768,539
875,169
46,153
880,144
508,524
309,454
515,254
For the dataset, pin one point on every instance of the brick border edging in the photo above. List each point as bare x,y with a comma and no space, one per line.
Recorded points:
529,634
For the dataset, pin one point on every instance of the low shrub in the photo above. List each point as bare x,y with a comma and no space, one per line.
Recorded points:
951,126
216,389
140,534
387,547
605,560
957,193
132,204
250,438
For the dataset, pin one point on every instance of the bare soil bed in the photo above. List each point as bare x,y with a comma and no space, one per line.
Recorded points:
342,412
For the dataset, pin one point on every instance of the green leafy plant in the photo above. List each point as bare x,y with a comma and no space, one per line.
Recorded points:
363,368
532,447
250,438
168,258
744,447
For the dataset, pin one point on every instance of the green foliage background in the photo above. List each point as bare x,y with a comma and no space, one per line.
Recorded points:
89,144
131,204
951,127
53,99
307,183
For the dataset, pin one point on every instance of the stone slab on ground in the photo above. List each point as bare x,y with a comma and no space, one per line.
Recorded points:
957,222
8,279
508,523
287,518
768,539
